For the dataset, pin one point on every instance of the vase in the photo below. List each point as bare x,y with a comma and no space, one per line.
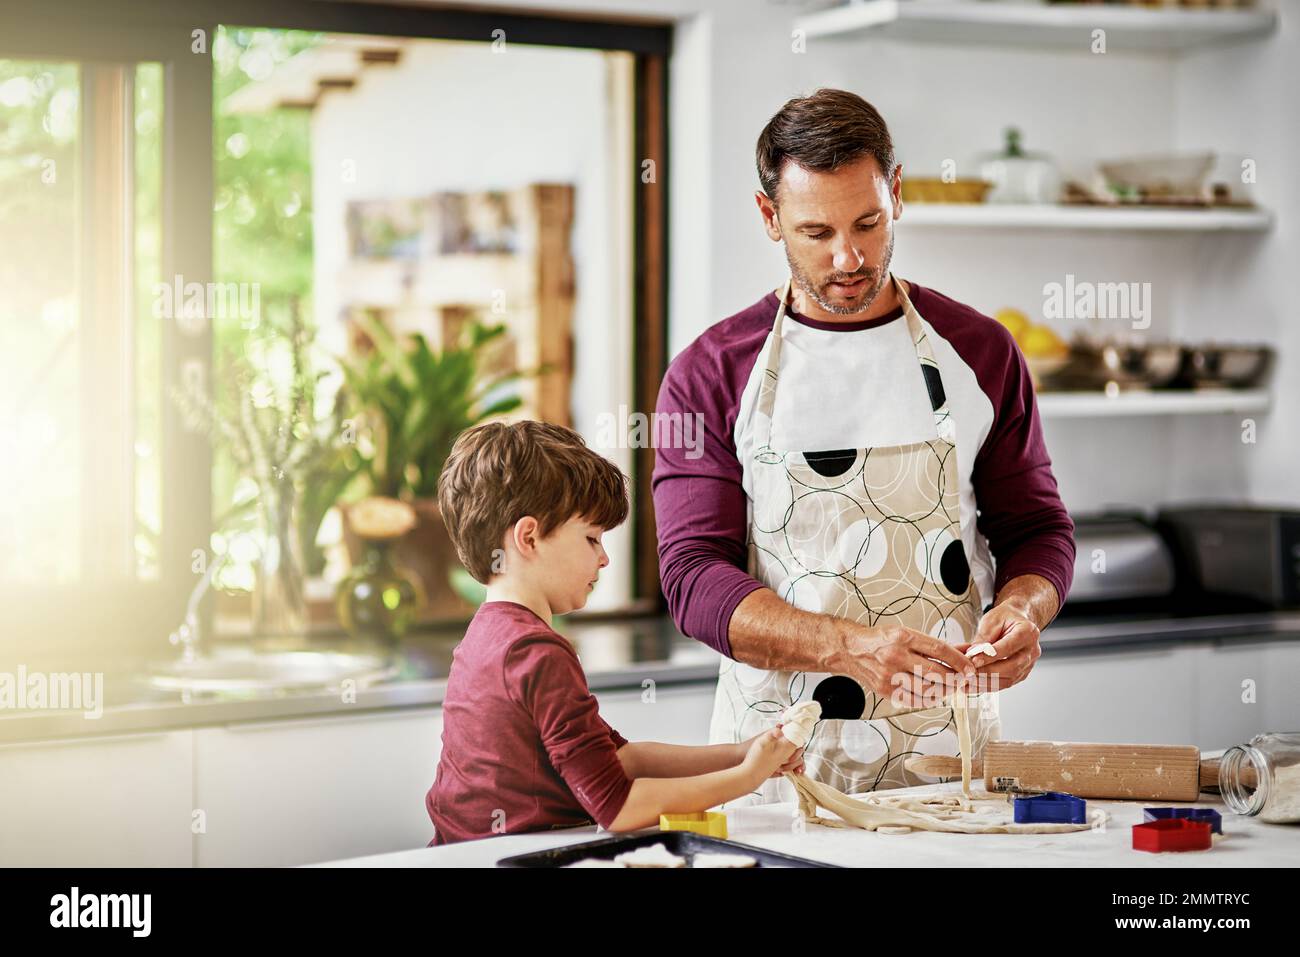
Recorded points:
427,552
279,587
378,599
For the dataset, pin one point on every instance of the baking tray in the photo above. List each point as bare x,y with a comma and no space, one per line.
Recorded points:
683,843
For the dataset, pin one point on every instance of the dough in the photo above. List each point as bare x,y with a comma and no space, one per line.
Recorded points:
723,860
983,648
965,813
595,862
960,714
798,721
983,813
654,855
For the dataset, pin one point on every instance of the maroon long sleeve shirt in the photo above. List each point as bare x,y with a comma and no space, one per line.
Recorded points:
700,503
524,747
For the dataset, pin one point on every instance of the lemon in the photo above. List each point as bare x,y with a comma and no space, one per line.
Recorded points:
1017,322
1042,342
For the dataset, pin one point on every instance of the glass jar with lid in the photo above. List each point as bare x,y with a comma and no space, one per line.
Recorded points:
1262,777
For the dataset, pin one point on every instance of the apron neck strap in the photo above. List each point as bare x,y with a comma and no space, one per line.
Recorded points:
944,425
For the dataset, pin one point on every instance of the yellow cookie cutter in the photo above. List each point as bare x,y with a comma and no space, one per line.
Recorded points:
708,823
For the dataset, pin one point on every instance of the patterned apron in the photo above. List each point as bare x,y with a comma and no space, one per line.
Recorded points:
873,535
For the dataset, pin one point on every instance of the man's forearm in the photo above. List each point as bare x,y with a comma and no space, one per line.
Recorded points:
772,634
1032,596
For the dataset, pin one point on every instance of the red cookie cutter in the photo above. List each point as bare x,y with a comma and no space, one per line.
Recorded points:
1171,834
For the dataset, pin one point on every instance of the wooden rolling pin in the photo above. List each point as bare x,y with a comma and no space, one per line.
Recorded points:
1136,772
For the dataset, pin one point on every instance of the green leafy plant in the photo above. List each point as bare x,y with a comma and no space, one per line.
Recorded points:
279,437
415,401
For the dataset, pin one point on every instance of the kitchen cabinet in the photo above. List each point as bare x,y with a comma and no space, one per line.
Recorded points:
1184,693
677,715
283,793
109,801
1138,696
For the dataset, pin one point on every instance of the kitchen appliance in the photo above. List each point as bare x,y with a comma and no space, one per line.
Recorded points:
1118,557
1250,552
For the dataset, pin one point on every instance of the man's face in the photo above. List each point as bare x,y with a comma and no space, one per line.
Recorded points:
838,231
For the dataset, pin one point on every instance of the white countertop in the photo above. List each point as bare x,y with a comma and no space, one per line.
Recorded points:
1245,842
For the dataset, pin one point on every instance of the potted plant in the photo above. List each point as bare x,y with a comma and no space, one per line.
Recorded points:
411,402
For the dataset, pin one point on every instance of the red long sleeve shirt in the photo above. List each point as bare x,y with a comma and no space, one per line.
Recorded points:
524,747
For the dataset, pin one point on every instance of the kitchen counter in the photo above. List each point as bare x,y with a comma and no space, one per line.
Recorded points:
1245,842
616,654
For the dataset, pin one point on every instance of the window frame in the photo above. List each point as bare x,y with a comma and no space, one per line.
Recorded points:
162,32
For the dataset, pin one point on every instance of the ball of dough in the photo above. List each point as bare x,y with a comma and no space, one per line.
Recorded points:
798,721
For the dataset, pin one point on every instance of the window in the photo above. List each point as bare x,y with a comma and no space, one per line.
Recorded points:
415,181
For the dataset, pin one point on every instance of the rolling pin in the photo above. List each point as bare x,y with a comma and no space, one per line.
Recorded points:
1126,772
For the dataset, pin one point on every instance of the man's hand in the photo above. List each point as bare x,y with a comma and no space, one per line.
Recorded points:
1015,638
1012,626
906,667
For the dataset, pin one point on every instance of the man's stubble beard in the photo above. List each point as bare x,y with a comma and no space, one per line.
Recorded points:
811,290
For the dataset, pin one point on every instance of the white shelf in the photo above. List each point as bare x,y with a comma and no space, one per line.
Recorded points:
1151,219
991,23
1078,405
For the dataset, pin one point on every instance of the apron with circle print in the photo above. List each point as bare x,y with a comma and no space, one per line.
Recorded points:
872,535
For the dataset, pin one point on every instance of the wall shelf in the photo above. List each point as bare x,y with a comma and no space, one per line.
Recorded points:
1079,405
1139,219
1155,30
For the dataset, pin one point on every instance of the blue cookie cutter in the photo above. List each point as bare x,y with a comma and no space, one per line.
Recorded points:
1203,815
1051,808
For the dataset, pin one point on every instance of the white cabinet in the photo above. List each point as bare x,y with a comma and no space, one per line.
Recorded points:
675,715
1246,687
1140,696
1184,693
97,802
282,793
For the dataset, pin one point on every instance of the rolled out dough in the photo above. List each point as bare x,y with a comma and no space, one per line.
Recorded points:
983,648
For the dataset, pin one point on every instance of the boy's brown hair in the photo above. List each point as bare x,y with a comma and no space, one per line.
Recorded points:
497,473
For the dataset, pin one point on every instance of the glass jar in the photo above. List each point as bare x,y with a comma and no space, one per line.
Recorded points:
1263,777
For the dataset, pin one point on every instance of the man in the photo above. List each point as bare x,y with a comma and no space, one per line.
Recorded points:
871,448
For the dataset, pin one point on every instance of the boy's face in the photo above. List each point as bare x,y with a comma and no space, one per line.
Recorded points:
569,561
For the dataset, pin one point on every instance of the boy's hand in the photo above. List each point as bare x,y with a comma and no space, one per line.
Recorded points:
794,764
768,753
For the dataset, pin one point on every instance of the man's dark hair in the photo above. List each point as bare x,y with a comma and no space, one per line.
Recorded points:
822,132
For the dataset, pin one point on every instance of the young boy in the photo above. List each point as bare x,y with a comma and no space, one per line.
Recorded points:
523,745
